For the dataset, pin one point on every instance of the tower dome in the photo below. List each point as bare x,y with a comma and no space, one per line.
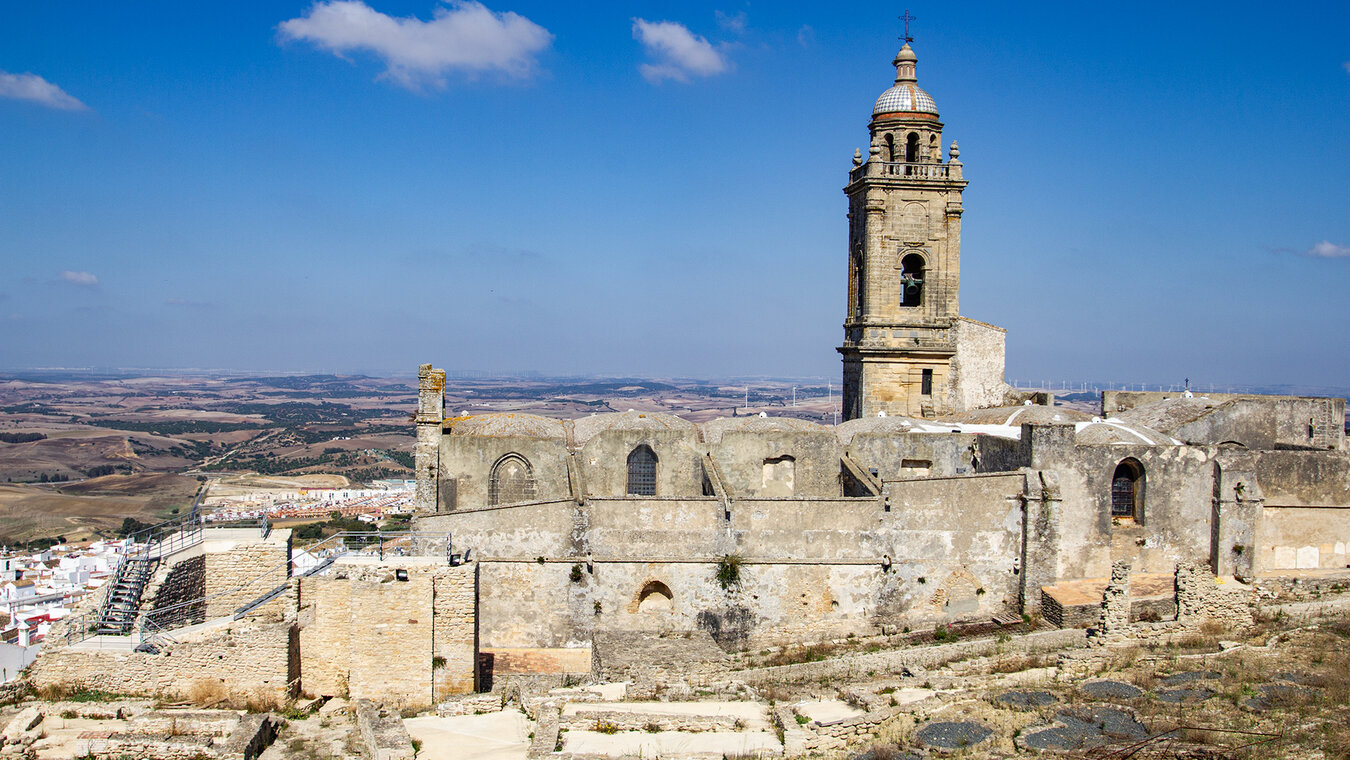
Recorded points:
905,96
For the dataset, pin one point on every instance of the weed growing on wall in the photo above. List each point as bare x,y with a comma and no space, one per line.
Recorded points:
729,571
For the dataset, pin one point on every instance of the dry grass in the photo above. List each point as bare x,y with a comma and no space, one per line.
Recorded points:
207,692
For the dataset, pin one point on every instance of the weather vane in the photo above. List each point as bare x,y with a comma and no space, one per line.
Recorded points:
907,18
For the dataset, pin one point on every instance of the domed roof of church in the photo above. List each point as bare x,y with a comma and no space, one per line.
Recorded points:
906,96
714,430
846,431
586,428
509,423
1113,431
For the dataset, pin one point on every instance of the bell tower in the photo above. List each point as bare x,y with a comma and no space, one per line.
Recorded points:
904,260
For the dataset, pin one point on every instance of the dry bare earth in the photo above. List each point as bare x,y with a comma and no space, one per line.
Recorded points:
78,510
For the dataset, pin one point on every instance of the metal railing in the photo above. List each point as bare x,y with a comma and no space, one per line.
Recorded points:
152,627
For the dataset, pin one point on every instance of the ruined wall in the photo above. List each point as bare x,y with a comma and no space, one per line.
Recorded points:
977,368
242,566
368,635
244,658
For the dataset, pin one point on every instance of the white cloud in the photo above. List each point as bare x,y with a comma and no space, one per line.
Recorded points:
806,36
35,88
731,22
678,52
464,36
1328,250
78,278
1347,66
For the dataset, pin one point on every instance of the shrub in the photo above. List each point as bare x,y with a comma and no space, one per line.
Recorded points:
729,571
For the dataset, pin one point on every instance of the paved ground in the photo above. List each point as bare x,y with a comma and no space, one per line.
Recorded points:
667,743
827,711
754,714
501,735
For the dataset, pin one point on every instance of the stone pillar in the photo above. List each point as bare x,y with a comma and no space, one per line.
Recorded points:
1238,503
427,453
1116,599
1040,537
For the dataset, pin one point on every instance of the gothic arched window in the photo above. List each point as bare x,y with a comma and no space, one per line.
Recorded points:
1127,490
512,481
911,280
642,471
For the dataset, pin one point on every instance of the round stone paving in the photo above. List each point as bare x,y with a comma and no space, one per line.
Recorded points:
887,753
1279,695
1088,727
1177,679
1025,700
1197,694
953,735
1111,690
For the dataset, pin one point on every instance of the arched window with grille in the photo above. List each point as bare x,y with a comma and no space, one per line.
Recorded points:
642,471
1127,490
512,480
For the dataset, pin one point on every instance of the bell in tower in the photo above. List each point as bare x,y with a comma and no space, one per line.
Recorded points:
904,338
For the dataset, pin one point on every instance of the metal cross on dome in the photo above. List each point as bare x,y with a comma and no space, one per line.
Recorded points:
907,18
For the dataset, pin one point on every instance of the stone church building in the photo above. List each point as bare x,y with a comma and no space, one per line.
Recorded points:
943,497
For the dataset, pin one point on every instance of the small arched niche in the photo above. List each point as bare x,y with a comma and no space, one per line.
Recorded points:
1127,490
912,148
654,598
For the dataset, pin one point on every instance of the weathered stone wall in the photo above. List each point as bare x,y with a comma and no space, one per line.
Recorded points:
368,635
466,464
382,730
1298,421
241,566
679,468
243,658
809,568
977,368
742,456
1173,525
902,457
426,450
1302,538
178,596
1202,597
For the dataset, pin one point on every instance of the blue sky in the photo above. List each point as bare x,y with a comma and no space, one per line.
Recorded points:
653,188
